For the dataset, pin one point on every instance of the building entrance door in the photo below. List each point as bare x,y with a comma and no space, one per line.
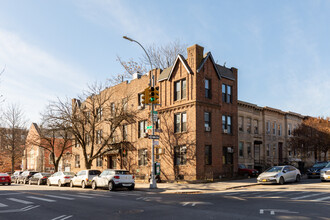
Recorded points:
111,162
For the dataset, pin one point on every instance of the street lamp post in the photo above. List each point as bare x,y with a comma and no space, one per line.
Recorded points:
153,184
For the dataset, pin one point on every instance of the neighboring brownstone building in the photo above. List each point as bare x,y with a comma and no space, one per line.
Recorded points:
197,121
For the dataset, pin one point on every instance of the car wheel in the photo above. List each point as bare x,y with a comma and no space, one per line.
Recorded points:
30,182
59,183
322,180
308,177
298,178
39,182
281,182
25,181
71,184
111,186
83,185
9,183
94,187
48,183
130,188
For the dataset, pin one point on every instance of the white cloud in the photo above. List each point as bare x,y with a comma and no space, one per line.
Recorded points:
33,77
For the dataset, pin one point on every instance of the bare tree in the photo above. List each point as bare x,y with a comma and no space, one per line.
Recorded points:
161,57
14,133
179,147
95,121
313,135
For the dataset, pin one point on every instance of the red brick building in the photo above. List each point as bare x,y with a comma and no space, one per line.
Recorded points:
197,121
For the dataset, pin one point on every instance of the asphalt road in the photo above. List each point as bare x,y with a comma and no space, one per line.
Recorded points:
309,199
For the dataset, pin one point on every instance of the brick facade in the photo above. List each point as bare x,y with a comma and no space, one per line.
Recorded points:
184,137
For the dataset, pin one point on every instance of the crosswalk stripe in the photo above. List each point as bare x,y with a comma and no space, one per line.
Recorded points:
272,193
322,199
42,199
86,194
82,196
3,205
310,195
61,197
20,201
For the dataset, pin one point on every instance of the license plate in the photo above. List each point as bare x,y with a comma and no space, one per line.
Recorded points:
127,184
328,177
264,180
3,178
314,173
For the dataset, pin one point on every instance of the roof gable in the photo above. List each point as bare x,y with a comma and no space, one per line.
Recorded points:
183,61
209,55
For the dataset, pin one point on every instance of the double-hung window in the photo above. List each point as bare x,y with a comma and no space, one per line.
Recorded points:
180,89
226,124
142,157
180,155
207,121
227,93
208,155
208,88
142,128
180,122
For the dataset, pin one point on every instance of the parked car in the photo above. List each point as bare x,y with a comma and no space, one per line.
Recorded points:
280,175
15,176
25,176
5,179
112,179
314,171
244,171
325,173
84,178
39,178
60,178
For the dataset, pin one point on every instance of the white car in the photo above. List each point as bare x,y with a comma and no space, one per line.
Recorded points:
325,173
84,178
60,178
112,179
280,175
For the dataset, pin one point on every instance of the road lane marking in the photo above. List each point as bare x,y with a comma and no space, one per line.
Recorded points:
20,201
61,197
99,195
81,196
67,217
271,194
322,199
3,205
41,199
311,195
62,216
5,194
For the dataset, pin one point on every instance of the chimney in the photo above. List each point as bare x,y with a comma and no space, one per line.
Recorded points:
195,56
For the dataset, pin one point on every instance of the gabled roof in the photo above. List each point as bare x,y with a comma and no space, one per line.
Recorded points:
225,72
167,73
209,55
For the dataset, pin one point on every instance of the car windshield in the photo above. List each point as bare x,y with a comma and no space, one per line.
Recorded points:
3,174
318,165
94,172
45,174
328,165
274,169
69,173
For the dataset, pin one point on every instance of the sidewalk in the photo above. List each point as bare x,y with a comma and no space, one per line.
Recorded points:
190,188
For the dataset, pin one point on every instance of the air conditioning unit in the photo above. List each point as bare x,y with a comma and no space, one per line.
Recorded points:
225,131
207,128
230,150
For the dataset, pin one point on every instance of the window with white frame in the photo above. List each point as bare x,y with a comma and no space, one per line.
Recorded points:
142,157
226,124
99,114
180,122
142,128
99,161
180,89
99,137
77,161
180,155
207,121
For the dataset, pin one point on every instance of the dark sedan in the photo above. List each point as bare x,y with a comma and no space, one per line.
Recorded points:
39,178
314,171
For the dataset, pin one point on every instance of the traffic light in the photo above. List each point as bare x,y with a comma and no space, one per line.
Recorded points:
145,96
156,96
151,94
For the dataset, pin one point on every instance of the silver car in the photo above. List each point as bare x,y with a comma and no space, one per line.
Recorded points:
112,179
280,175
84,178
60,178
325,173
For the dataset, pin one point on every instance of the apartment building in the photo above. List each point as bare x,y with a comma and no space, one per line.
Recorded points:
197,121
263,133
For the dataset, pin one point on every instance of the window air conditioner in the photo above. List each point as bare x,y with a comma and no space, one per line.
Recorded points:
207,128
225,131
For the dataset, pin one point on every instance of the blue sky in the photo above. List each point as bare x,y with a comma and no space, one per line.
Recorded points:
54,48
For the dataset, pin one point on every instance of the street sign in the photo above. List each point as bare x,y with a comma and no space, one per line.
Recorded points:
156,142
155,118
149,127
153,136
155,112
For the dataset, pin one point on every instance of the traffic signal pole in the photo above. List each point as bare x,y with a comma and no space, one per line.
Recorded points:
153,184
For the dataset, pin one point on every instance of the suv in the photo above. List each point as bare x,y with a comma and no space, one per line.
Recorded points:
243,170
112,179
84,178
314,171
25,176
325,173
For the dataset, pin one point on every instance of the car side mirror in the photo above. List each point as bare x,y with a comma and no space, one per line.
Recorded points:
284,171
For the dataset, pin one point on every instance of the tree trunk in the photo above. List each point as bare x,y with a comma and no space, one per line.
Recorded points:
12,163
